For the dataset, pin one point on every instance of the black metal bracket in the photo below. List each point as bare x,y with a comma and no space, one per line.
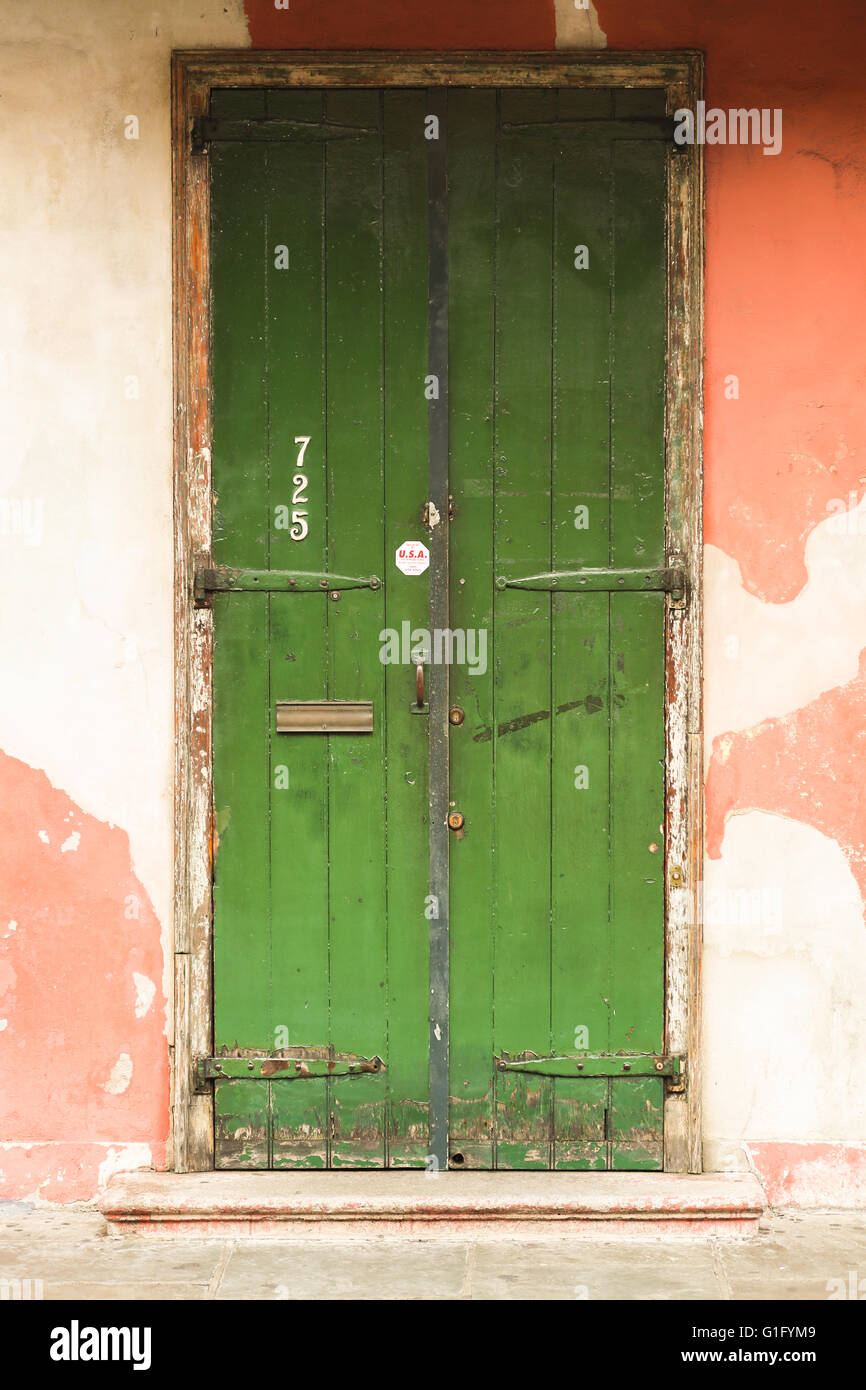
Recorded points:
660,128
208,129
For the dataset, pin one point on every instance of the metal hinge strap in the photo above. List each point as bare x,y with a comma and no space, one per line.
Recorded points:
668,581
210,581
646,128
277,1068
208,129
596,1064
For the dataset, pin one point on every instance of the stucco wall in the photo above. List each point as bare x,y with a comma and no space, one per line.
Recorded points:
85,554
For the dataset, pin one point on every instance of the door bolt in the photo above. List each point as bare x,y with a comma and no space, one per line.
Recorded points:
335,595
456,715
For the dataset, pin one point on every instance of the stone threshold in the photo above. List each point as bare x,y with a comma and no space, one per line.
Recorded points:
338,1205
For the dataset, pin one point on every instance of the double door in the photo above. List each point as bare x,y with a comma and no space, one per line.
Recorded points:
439,592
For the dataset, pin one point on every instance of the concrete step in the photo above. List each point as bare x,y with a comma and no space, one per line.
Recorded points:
336,1205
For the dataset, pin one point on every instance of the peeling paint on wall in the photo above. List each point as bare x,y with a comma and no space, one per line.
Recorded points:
809,766
85,1066
757,649
811,1175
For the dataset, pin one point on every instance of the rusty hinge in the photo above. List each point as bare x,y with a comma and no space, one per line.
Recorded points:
276,1067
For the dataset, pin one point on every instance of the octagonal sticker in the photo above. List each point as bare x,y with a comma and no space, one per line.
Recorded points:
412,557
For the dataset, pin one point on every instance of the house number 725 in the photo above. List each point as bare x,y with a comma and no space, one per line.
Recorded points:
301,481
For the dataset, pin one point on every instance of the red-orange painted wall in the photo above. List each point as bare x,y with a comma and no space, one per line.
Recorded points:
409,24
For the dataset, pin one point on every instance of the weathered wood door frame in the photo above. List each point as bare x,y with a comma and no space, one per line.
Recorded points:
194,74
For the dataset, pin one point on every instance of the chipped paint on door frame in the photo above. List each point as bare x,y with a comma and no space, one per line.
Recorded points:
193,75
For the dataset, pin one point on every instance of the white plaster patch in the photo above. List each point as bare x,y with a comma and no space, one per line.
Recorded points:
784,983
125,1159
578,26
768,659
43,835
121,1075
13,926
72,843
103,205
145,989
4,1023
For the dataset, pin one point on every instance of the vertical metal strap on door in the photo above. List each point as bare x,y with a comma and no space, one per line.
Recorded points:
437,418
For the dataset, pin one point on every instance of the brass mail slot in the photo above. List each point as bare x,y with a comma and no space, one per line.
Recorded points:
324,716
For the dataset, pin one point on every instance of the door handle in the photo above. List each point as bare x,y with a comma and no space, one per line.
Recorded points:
418,705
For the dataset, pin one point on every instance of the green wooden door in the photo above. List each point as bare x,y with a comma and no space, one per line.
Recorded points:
418,297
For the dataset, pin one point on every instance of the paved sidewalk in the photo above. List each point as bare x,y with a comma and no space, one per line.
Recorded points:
794,1256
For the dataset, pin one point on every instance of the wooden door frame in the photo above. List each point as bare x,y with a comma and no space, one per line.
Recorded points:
194,74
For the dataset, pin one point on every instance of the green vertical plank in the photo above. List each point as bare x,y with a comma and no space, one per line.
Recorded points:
639,347
637,816
298,624
636,1124
241,1124
472,166
579,1111
581,514
358,1107
522,628
357,843
299,1123
406,602
523,1120
637,621
241,863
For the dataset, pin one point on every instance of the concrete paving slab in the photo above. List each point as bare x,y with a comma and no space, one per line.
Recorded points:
122,1292
800,1256
51,1245
361,1270
578,1270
